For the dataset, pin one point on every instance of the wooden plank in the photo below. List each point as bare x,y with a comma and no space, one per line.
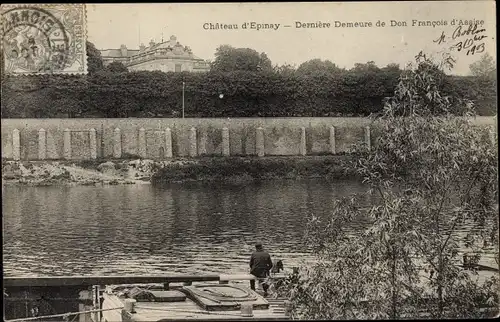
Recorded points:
102,280
237,277
54,299
188,311
247,277
53,281
481,267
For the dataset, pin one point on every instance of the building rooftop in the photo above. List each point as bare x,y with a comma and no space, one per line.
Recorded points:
170,47
117,53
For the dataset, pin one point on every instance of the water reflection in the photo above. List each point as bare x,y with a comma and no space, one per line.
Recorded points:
145,229
140,229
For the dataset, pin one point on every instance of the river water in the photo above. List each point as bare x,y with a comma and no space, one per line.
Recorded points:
146,229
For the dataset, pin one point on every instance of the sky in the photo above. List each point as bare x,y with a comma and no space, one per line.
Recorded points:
111,25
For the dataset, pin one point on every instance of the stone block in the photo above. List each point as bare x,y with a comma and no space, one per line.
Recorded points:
117,144
302,147
168,143
225,142
16,145
93,144
259,142
142,143
67,144
42,144
107,168
193,148
368,138
332,140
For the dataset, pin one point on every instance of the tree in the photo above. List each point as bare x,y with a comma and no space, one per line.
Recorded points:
364,68
392,68
94,59
116,67
428,172
445,164
265,63
285,69
2,67
484,67
315,66
421,91
228,58
278,92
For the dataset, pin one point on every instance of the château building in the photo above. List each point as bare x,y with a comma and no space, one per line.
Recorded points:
168,56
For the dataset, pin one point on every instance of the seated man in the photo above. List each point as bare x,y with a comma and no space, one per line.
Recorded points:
278,267
260,265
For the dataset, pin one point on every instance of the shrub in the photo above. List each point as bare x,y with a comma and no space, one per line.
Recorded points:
246,94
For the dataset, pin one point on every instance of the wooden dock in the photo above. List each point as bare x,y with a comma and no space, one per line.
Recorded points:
188,311
85,281
30,292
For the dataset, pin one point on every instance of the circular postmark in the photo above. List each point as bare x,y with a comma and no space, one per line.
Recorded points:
34,40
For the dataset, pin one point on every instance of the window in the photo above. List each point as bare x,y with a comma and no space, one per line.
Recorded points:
178,68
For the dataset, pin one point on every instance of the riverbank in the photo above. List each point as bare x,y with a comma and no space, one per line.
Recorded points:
231,169
98,172
250,169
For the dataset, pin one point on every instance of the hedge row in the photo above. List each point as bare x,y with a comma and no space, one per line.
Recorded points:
245,94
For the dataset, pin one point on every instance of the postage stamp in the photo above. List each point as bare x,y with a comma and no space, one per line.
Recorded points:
44,39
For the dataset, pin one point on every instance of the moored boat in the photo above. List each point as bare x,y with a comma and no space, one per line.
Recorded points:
198,301
147,298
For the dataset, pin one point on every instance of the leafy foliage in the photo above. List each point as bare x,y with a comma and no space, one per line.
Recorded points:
315,66
419,92
484,67
271,92
116,67
228,58
94,59
431,174
285,69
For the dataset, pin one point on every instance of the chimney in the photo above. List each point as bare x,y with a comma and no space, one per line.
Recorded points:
123,50
173,40
151,43
142,47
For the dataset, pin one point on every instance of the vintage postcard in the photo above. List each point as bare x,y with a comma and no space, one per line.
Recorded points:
249,161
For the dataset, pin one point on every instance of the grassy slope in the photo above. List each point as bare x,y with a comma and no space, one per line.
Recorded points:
256,169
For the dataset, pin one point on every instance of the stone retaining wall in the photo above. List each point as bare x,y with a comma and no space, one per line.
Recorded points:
81,139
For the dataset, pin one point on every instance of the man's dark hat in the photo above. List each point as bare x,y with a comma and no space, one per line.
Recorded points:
258,245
